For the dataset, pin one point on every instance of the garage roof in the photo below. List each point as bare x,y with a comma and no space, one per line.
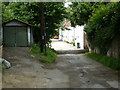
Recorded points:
18,21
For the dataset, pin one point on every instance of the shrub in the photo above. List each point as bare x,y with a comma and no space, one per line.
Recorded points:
72,43
47,57
103,26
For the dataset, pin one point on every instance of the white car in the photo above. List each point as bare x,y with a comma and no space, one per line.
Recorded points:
5,63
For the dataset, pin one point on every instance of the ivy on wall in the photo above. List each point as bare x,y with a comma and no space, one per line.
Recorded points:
103,26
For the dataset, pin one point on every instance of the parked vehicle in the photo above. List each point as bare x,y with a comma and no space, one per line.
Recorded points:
56,37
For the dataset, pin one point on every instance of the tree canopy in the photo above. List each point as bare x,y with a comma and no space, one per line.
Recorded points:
101,20
29,12
80,12
103,26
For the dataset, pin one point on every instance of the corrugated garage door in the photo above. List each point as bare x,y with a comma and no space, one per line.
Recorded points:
9,36
21,36
15,36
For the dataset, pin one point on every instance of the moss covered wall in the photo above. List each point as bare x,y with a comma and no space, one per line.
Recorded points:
114,50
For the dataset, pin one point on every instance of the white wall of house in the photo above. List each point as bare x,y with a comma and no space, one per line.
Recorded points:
79,36
73,34
60,34
65,35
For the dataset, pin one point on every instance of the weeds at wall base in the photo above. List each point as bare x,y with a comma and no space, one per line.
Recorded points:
110,62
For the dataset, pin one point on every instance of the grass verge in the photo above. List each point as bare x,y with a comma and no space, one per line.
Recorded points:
111,62
47,57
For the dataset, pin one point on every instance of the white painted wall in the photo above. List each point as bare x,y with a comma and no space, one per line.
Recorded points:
71,34
75,34
60,34
79,36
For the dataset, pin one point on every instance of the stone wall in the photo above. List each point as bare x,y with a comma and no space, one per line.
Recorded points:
1,36
114,50
86,44
0,51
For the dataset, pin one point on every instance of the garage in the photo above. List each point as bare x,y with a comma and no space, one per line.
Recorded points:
17,33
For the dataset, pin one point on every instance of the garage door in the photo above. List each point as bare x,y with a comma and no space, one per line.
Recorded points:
15,36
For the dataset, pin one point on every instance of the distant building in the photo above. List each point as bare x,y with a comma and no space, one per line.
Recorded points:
74,35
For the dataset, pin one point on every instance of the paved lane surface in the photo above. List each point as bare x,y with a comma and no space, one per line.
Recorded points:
68,71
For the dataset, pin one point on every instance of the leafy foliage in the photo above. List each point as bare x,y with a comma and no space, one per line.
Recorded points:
55,13
29,12
103,26
79,12
49,57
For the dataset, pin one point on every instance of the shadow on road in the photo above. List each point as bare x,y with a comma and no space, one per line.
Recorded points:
71,51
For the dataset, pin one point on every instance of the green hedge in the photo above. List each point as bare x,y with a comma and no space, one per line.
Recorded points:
103,26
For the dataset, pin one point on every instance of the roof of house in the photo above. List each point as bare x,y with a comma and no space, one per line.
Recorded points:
18,21
67,24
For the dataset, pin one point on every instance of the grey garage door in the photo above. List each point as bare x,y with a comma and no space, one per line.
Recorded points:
15,36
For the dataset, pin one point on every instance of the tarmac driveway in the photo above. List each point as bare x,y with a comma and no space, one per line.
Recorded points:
26,70
68,71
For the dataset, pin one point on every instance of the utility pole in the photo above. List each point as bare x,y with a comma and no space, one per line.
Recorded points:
42,28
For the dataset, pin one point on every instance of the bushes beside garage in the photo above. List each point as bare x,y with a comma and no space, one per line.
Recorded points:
47,57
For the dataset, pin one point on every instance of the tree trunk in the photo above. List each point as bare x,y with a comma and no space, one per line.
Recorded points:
42,27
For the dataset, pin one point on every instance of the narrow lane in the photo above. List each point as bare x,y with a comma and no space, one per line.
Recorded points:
65,48
81,71
69,70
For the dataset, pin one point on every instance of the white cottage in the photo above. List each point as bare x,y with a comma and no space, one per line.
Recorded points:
79,36
73,35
